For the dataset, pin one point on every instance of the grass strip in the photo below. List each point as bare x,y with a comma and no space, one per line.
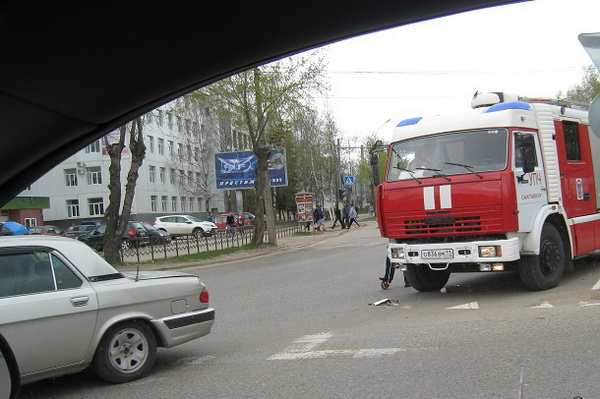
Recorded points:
201,255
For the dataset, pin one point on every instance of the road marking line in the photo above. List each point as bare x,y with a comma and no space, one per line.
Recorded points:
304,348
543,305
466,306
597,286
586,304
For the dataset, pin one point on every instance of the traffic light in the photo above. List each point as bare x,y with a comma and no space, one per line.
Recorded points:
341,194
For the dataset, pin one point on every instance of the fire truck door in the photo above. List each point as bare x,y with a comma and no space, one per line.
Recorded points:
576,171
530,187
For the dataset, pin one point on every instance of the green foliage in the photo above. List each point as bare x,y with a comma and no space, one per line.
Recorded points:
589,87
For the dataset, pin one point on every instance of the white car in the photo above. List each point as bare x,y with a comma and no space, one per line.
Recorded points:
65,309
178,225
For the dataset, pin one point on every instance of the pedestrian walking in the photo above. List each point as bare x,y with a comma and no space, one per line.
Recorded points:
338,217
346,214
230,220
353,216
320,218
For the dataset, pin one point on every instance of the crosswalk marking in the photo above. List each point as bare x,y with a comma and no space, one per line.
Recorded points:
466,306
306,347
596,286
586,304
543,305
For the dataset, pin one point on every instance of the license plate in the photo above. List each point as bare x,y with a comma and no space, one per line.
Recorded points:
437,254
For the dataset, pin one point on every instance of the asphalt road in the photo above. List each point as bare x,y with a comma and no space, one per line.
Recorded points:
301,324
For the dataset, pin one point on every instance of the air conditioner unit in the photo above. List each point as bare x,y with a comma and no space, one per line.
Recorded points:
81,171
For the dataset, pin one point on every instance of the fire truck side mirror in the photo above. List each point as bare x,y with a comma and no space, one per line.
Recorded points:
528,153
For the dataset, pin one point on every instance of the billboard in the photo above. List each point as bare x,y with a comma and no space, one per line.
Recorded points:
237,170
304,204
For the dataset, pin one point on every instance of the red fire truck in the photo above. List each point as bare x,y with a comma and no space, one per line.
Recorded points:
508,185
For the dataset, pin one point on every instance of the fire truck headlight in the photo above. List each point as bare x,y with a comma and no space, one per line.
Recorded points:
397,253
490,252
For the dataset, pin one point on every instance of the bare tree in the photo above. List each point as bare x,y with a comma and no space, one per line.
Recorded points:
116,215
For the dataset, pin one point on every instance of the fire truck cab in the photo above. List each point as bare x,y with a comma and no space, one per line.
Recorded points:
508,185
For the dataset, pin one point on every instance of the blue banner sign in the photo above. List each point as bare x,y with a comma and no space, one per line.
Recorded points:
236,170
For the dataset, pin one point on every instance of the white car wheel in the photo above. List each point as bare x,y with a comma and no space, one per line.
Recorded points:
198,233
127,352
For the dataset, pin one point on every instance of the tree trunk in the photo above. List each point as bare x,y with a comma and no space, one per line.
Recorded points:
116,222
261,185
111,214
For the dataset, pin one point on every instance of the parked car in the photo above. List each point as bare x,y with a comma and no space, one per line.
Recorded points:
47,230
221,220
135,235
64,308
9,372
79,230
177,225
248,218
157,236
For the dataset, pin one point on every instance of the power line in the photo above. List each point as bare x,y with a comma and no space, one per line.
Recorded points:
455,72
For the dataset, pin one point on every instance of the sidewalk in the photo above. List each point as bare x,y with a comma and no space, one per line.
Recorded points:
285,244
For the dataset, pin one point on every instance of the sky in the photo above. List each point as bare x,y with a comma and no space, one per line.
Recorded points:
435,67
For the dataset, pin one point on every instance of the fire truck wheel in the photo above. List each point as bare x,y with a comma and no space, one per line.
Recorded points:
544,271
423,279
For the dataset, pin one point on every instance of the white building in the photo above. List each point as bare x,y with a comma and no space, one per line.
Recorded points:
177,175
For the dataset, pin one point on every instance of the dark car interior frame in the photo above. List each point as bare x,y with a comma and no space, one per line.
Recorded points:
73,71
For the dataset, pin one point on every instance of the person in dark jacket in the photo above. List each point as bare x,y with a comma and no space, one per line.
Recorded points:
319,218
346,214
338,216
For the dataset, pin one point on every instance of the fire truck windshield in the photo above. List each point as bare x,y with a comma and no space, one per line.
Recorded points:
447,154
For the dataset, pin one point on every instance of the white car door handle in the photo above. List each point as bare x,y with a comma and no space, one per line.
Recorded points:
80,301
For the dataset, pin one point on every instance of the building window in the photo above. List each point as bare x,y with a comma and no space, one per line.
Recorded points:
161,146
171,148
199,203
189,152
190,178
180,150
191,204
163,203
196,154
174,204
94,147
172,176
151,144
153,200
71,177
181,178
162,175
73,208
152,170
30,222
183,204
94,175
96,206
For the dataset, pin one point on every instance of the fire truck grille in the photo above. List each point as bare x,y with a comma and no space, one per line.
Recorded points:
433,226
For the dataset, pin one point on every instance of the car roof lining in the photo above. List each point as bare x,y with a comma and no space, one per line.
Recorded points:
72,72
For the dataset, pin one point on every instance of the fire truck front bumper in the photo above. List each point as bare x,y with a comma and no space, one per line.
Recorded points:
440,256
